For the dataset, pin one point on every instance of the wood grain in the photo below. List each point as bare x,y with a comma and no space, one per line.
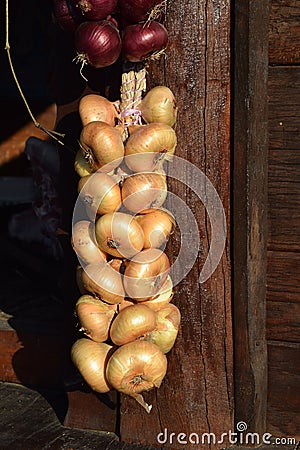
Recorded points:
283,276
284,199
249,194
284,32
283,268
31,419
284,98
283,321
283,391
196,395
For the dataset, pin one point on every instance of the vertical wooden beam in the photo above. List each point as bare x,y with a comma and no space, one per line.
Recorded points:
196,396
250,126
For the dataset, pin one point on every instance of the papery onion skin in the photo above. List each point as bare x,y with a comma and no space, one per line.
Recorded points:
159,105
157,226
149,145
142,41
95,317
100,193
95,9
136,11
81,165
91,359
94,107
84,243
102,145
132,323
145,274
168,322
124,304
98,43
136,367
104,282
119,234
79,282
142,192
163,297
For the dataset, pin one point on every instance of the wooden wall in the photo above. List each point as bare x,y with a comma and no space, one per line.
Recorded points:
283,257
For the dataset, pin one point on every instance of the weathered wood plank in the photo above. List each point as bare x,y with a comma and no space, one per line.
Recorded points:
196,395
250,149
283,389
284,199
82,401
284,32
284,99
29,419
279,140
283,276
283,321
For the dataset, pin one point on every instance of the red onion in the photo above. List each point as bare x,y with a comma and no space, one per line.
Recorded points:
95,9
97,43
65,15
141,41
135,11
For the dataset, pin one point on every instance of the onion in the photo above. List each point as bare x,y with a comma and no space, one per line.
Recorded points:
103,281
102,146
79,282
95,9
100,193
136,367
137,10
81,165
124,304
141,192
97,43
94,107
159,105
119,234
163,297
84,244
143,40
95,317
65,15
157,225
148,146
132,323
145,274
91,359
165,334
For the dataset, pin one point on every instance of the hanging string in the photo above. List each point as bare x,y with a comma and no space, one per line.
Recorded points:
53,134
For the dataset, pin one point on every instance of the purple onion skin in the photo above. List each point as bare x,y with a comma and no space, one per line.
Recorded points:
94,9
140,42
99,43
65,15
134,11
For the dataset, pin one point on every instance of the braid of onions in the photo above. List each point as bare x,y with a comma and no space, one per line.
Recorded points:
127,321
